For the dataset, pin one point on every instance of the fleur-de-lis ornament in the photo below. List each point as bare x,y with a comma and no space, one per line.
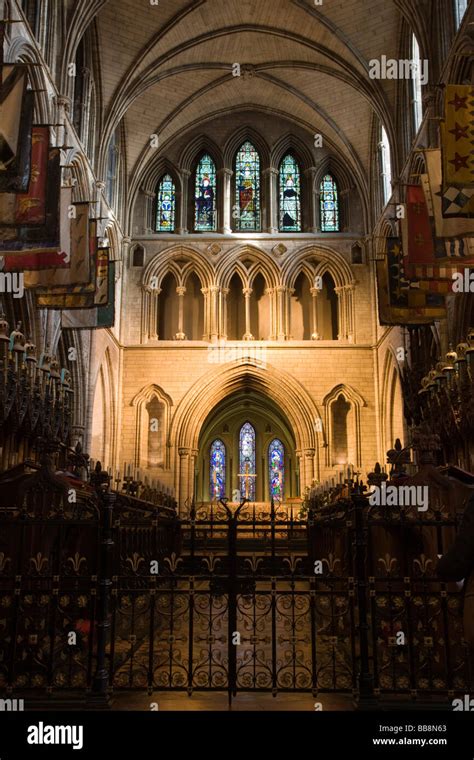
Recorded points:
135,561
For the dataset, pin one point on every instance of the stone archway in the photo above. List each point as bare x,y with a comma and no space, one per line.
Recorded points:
252,375
224,423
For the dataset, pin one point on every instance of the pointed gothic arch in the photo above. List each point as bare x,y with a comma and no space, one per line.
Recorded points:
103,413
204,395
342,420
152,419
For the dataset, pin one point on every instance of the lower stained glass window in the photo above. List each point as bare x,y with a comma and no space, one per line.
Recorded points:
276,468
217,470
247,461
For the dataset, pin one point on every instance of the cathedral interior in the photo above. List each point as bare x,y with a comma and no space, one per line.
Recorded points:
236,303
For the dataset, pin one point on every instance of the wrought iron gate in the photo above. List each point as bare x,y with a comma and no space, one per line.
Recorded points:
255,600
240,609
225,599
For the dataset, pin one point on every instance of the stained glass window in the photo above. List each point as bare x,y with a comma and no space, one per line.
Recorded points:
112,166
246,211
205,195
247,460
290,195
386,165
329,205
165,205
461,7
217,471
276,469
416,84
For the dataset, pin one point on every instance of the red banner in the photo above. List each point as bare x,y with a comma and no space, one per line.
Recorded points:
31,206
420,243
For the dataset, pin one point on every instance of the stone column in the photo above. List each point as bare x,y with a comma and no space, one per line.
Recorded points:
344,210
126,243
271,294
350,323
281,295
100,187
181,290
193,455
314,304
149,206
181,223
207,316
431,114
298,472
311,210
308,467
270,223
183,485
224,201
341,313
287,314
153,313
248,335
63,111
224,292
214,313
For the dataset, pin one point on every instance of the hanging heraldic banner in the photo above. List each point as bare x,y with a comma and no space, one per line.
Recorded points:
458,136
21,256
29,209
16,119
399,302
89,319
445,226
93,294
82,256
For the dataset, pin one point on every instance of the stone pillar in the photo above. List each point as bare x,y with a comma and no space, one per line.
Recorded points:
153,313
181,223
63,112
247,293
224,201
281,295
286,314
126,243
298,473
314,304
308,468
148,216
214,313
341,313
207,316
350,322
181,290
183,485
311,221
344,209
271,294
100,187
270,223
193,455
431,115
224,292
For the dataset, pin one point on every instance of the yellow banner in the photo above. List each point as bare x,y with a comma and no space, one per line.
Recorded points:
458,136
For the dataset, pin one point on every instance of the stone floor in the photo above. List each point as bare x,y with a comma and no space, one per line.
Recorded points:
217,701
